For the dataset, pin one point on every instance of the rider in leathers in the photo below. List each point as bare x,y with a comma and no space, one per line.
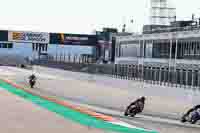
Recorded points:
32,80
139,103
193,109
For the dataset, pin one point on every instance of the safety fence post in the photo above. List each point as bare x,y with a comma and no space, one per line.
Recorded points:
120,70
126,71
198,79
181,78
168,80
165,76
177,77
144,74
135,72
129,72
192,84
157,75
186,80
116,70
148,74
113,71
153,75
160,76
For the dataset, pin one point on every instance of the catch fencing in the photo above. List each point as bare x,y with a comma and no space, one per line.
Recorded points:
166,76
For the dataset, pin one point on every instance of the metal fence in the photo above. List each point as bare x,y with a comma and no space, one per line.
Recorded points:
174,77
159,75
68,58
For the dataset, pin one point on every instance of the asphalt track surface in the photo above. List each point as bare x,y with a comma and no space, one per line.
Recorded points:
21,116
161,124
74,113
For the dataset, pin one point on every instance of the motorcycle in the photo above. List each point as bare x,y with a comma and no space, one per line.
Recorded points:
131,111
32,81
192,117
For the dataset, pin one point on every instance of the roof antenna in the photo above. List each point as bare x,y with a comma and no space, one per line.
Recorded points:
124,24
124,28
193,16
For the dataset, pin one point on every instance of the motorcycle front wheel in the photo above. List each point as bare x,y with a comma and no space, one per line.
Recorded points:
126,112
193,121
183,120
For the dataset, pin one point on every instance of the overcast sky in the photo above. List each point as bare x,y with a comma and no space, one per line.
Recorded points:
81,16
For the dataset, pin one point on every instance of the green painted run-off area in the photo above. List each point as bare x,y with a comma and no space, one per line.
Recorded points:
70,114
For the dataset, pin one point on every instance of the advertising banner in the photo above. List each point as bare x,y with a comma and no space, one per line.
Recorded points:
73,39
29,37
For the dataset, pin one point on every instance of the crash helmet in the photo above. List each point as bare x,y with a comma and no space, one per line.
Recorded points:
143,98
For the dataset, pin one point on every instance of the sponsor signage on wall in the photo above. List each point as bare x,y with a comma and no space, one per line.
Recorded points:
73,39
78,39
31,37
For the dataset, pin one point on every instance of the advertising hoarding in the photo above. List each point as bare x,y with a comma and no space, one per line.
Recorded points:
28,37
73,39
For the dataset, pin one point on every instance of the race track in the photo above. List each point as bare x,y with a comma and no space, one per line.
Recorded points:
111,99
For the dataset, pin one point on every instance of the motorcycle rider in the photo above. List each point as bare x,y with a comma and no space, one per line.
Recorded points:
139,103
193,109
195,114
32,80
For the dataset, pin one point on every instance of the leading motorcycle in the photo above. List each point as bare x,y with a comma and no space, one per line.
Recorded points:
32,83
32,80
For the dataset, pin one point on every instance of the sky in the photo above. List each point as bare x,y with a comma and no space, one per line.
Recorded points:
82,16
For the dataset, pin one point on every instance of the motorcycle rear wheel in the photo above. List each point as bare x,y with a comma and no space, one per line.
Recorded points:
193,121
133,115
